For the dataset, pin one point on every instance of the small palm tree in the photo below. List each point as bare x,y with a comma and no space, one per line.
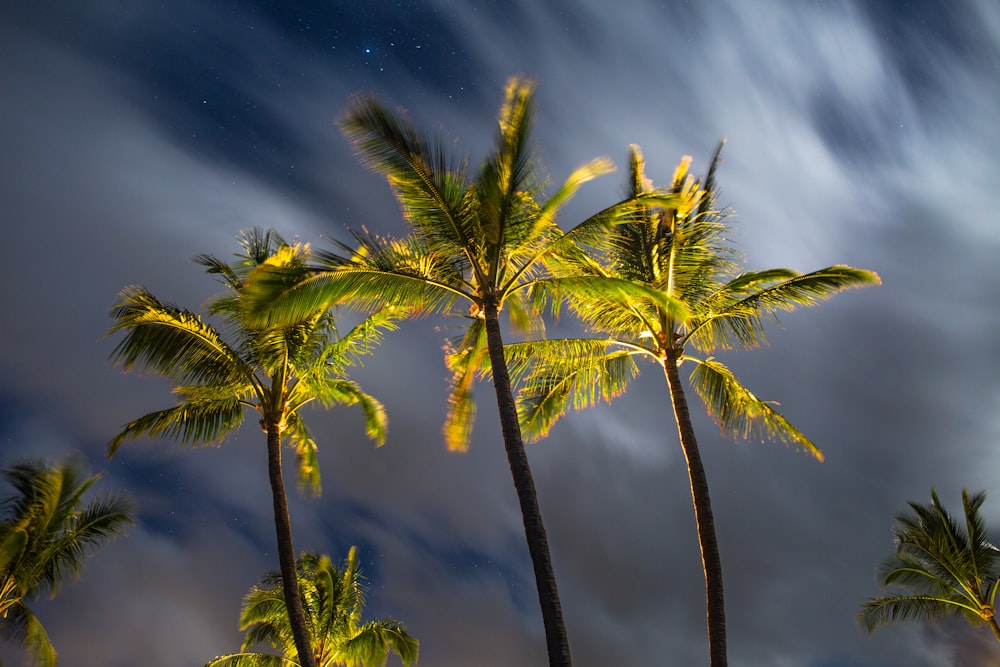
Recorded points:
47,531
219,374
487,242
688,296
334,599
943,566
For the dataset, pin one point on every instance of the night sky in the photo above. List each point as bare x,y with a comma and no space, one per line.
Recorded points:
136,135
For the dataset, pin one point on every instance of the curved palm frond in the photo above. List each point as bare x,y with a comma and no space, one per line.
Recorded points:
21,626
172,342
738,411
466,359
191,422
557,375
736,312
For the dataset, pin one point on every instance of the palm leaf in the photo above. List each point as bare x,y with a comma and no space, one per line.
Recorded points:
171,342
736,312
24,628
738,411
557,375
467,359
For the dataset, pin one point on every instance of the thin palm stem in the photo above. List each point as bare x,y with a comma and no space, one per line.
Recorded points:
556,639
700,497
286,550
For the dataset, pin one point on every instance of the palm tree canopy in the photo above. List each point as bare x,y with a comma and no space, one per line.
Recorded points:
942,565
697,300
47,531
334,600
488,235
220,372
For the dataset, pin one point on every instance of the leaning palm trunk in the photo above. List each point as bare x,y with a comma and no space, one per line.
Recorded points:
710,558
556,638
286,551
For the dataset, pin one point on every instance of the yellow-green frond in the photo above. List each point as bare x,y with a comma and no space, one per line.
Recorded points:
555,376
467,359
738,411
192,422
736,313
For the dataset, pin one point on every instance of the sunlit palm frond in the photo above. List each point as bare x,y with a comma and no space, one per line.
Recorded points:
306,454
466,359
738,411
251,660
361,340
557,375
373,643
735,314
432,191
170,341
600,294
193,423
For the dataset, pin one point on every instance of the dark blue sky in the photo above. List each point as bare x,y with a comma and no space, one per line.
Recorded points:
137,135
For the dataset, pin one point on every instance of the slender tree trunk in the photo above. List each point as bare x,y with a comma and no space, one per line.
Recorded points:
994,627
556,639
286,552
710,558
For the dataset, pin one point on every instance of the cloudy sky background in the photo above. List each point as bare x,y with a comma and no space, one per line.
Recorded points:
134,136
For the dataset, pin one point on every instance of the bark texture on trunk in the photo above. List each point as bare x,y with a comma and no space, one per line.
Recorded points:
556,639
710,558
286,551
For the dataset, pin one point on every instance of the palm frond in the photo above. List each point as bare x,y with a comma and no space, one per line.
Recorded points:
737,311
171,342
249,659
192,422
432,191
466,359
23,627
899,608
557,375
738,411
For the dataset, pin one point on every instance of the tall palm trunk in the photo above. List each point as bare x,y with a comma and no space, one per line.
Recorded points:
286,552
556,639
710,558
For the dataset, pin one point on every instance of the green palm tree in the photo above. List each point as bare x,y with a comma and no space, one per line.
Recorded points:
943,565
218,374
334,599
701,302
47,531
484,241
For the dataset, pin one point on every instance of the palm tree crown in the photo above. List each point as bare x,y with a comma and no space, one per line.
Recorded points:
683,256
667,288
334,599
942,566
47,531
219,374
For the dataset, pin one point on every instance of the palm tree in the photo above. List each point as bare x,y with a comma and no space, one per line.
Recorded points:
47,531
334,599
220,373
486,242
944,567
700,302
